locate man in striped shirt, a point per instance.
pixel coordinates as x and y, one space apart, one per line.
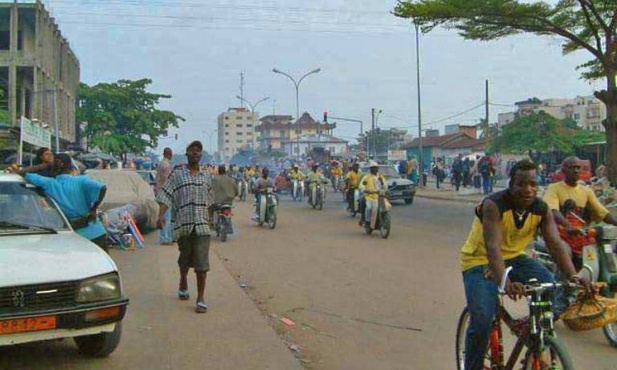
188 193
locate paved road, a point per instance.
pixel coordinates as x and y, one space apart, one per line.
361 302
357 301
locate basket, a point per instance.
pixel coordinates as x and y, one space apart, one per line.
590 312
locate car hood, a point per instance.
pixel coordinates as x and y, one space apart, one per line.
398 180
47 258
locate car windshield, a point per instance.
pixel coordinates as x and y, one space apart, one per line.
385 171
24 207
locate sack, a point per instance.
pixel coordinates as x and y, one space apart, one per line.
590 312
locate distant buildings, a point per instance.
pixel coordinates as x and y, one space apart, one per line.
39 73
236 131
588 112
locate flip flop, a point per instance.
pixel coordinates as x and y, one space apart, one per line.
183 295
201 307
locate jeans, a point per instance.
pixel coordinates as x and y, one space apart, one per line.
487 186
166 234
482 298
371 205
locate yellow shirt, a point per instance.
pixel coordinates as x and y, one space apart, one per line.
353 178
337 171
557 194
517 232
296 175
372 184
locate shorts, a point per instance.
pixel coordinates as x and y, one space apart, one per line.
194 252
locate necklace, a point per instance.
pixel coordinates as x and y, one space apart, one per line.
520 215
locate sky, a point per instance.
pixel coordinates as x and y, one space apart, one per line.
195 51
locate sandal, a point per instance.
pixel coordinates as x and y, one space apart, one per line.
183 295
201 307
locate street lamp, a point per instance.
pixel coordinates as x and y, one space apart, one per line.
420 159
297 86
253 107
210 142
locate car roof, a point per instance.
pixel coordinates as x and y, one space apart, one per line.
10 177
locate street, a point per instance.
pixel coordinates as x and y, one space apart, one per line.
354 301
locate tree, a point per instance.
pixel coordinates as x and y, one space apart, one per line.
123 117
543 133
583 24
376 139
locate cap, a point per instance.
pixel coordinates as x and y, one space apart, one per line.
196 143
373 164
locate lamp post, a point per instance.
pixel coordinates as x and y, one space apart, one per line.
420 156
253 107
297 86
210 142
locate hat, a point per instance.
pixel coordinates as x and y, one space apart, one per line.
372 164
196 143
295 165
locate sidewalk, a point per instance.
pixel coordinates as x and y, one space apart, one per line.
161 332
448 193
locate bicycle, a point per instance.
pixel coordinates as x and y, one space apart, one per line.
536 332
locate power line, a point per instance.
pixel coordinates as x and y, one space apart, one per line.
456 115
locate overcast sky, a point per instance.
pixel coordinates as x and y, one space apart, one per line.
195 51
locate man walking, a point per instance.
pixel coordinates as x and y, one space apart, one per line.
188 192
163 171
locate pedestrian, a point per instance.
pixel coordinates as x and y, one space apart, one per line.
486 172
77 196
188 192
163 171
457 171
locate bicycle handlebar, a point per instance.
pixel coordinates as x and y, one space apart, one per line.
534 286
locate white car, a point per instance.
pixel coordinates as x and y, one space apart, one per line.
53 282
399 187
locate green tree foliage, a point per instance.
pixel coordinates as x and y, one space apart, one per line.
123 117
588 25
377 138
544 133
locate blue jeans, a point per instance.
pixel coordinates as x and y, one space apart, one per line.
487 186
166 234
482 297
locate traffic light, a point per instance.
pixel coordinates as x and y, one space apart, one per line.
325 117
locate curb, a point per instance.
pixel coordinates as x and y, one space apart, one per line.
458 200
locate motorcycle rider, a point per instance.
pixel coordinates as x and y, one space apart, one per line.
224 190
314 177
370 185
295 175
588 208
504 224
336 172
352 180
259 186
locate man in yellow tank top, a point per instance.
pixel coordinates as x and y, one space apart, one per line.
504 224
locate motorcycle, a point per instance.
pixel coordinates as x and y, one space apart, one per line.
383 219
222 220
268 208
599 259
352 208
297 191
242 189
336 183
316 198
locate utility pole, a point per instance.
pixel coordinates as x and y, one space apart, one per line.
56 123
372 130
242 89
420 156
487 131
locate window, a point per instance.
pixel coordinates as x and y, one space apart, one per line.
227 133
238 141
227 141
282 134
249 125
226 118
239 118
227 125
239 125
239 133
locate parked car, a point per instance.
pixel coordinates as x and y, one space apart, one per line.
400 188
53 282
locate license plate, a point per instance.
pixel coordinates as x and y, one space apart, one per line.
29 324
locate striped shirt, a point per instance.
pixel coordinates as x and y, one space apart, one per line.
188 196
75 195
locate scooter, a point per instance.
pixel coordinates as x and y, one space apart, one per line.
242 189
382 220
352 208
316 199
222 221
268 208
297 191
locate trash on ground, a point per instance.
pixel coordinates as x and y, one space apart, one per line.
288 322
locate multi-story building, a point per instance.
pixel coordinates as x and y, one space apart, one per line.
39 73
236 131
278 132
588 112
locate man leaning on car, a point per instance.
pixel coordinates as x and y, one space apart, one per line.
77 196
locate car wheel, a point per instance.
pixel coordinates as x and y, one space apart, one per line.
99 345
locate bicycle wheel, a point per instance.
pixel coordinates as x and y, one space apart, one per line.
553 356
610 330
461 333
272 219
384 229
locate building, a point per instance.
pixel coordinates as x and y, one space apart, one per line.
236 131
463 141
39 73
277 132
588 112
334 145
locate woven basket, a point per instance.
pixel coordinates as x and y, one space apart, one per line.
590 312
